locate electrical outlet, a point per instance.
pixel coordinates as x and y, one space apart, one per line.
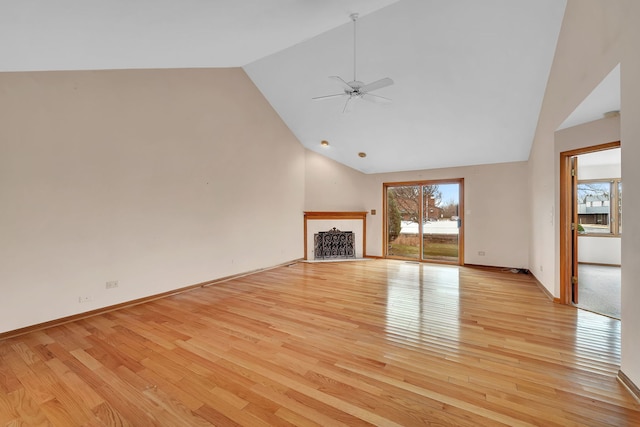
82 299
481 253
112 284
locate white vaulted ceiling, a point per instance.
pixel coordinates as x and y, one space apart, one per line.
469 80
469 75
120 34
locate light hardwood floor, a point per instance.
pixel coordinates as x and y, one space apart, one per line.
355 343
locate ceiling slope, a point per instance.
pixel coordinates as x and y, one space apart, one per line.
37 35
469 75
469 81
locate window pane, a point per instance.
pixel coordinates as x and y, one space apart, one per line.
403 221
440 225
594 210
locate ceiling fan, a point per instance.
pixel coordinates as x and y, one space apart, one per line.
356 89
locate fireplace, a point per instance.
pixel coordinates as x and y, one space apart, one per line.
316 222
334 244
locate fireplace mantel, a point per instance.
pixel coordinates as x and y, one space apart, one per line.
316 215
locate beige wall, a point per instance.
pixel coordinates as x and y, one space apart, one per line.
158 179
590 249
630 134
496 204
596 35
332 186
585 54
560 100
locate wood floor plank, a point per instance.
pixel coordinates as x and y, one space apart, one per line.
359 343
7 411
106 415
27 409
85 394
294 406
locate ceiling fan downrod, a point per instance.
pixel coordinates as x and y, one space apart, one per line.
354 18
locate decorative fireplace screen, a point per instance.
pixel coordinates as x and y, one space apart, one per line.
334 244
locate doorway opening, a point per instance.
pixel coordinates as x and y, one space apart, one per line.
591 228
424 221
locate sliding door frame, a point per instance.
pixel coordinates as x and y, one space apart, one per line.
385 237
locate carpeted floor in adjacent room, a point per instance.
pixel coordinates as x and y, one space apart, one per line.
599 289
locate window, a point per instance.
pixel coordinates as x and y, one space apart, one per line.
600 207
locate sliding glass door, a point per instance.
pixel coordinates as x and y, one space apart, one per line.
424 220
403 221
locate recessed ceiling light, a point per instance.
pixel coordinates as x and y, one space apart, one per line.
324 143
362 154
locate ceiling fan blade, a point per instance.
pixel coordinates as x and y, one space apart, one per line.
317 98
342 82
378 84
348 105
375 98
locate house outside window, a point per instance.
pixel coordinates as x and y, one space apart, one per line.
600 206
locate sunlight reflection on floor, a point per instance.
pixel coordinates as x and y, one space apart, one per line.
427 304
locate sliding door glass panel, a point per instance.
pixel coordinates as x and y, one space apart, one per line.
440 222
403 221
